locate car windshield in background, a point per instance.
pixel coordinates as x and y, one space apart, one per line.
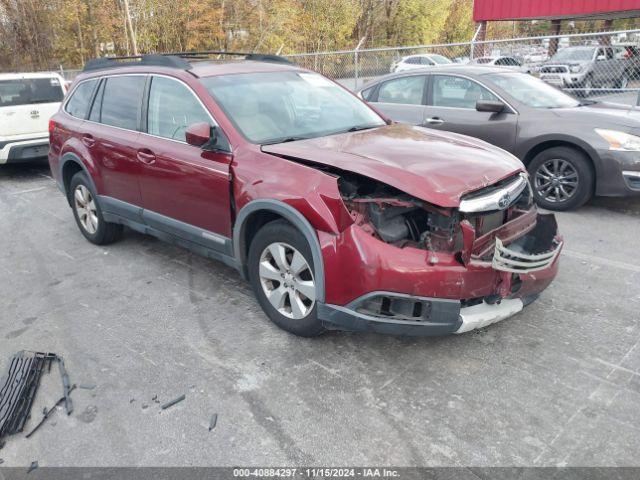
532 91
275 107
577 54
27 91
439 59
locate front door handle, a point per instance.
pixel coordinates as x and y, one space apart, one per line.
434 121
88 140
146 156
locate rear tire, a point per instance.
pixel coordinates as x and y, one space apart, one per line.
562 178
281 271
88 214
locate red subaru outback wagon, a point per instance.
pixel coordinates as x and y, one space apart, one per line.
339 219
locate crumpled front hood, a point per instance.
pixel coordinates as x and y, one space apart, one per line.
437 167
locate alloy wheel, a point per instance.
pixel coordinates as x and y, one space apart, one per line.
287 280
556 180
85 207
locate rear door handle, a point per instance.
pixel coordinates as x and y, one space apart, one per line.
434 121
146 156
88 140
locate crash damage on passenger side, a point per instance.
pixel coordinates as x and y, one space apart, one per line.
496 231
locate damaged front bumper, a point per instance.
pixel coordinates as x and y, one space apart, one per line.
522 266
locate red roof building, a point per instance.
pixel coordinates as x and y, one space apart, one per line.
496 10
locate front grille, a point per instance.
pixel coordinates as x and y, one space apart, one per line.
554 69
499 196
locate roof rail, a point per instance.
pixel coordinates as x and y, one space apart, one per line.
133 61
174 59
256 57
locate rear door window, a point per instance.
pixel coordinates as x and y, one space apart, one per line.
121 101
78 104
29 91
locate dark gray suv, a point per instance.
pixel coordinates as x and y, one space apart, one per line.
573 149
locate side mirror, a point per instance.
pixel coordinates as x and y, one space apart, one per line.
490 106
206 137
199 134
600 58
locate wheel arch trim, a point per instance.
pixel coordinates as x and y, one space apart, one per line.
528 152
73 158
293 216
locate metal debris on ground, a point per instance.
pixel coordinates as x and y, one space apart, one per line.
20 386
32 467
173 402
213 421
47 413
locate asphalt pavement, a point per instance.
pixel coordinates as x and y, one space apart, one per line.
140 323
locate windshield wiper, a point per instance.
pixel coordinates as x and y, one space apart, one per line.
357 128
285 140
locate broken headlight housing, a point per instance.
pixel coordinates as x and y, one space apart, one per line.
398 218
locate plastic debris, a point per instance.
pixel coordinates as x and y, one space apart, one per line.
173 402
213 421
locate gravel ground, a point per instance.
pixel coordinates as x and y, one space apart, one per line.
558 384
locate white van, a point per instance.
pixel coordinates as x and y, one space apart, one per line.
27 102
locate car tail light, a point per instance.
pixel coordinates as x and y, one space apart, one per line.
52 126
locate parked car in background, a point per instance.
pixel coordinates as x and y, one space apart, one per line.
632 55
582 69
412 62
338 219
572 149
27 101
510 62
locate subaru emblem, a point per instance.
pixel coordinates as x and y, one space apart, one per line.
504 201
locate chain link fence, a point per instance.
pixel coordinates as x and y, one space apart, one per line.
600 65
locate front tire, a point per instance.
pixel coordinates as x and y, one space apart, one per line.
587 87
282 276
88 214
623 82
561 178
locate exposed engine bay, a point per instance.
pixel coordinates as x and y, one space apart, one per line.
401 220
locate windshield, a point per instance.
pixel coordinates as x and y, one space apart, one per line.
574 54
26 91
278 106
439 59
532 91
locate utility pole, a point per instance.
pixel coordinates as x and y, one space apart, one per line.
132 35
